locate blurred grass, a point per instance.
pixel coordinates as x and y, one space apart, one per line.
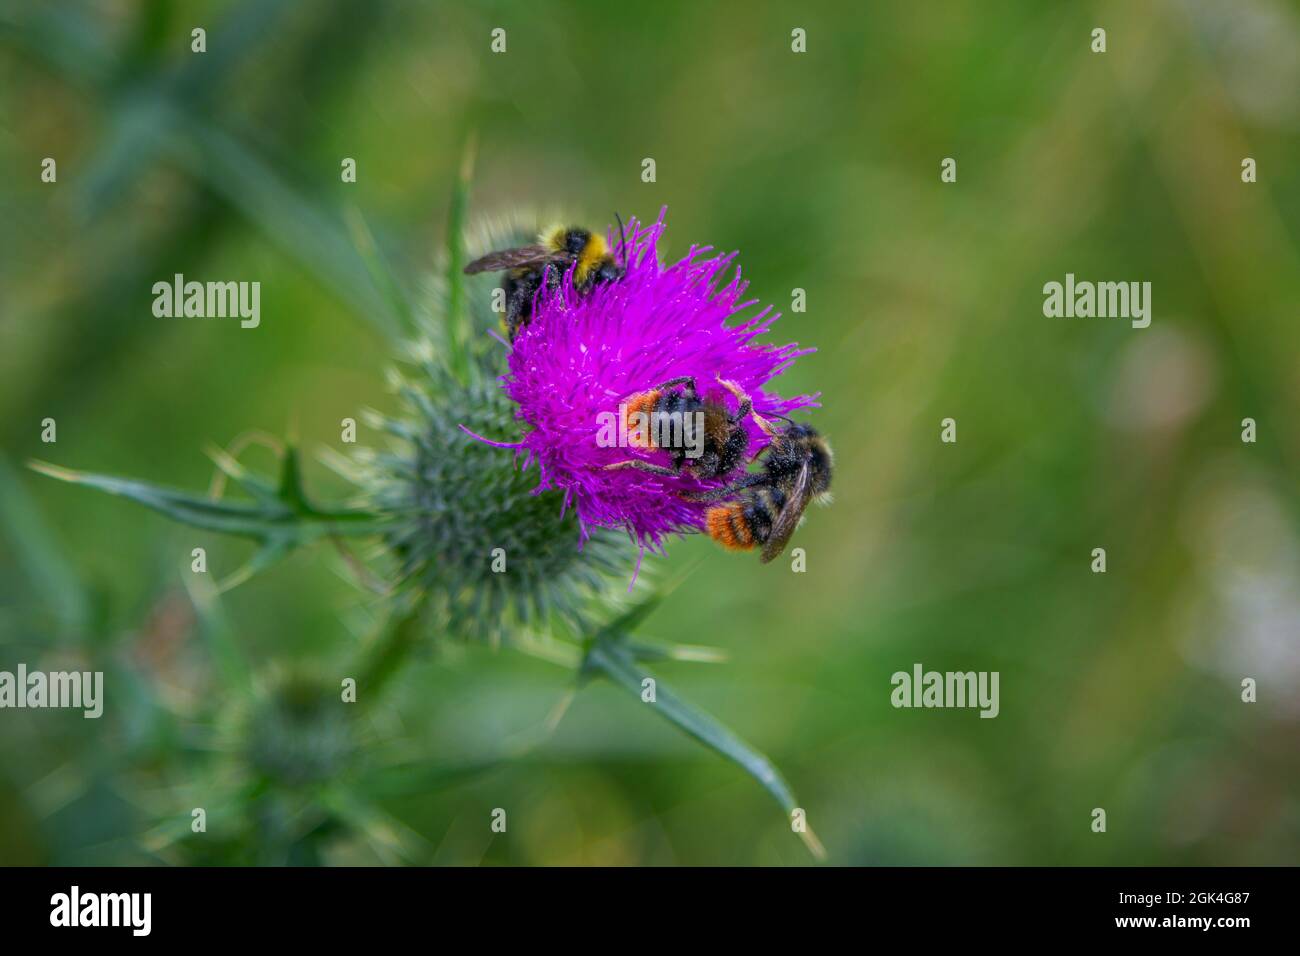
1119 690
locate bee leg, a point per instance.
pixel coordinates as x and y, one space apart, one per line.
520 291
640 465
686 380
764 424
515 316
746 406
728 491
733 388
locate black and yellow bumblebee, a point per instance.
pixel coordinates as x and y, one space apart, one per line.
527 268
766 506
674 407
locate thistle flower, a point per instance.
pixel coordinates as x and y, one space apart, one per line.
294 733
439 506
584 353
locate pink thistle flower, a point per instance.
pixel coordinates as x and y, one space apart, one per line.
583 353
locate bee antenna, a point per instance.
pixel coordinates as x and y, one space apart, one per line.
622 237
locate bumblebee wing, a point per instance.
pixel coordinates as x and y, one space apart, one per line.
510 259
789 517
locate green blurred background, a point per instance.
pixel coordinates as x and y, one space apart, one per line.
1118 690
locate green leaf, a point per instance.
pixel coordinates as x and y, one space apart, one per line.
632 618
458 325
215 631
51 574
688 653
280 522
636 614
614 660
258 520
291 490
297 224
392 841
381 274
161 97
73 44
416 777
272 550
254 484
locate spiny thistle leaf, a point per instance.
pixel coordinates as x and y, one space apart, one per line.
289 513
609 657
633 616
279 522
686 653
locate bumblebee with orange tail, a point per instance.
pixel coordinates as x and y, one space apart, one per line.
527 268
766 506
673 417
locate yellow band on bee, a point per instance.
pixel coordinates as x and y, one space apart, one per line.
595 251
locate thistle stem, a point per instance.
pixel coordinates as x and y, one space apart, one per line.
385 655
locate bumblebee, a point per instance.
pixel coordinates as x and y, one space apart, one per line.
768 504
527 268
669 417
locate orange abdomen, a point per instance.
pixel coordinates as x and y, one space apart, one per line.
643 403
726 525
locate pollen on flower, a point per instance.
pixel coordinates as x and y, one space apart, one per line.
586 351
